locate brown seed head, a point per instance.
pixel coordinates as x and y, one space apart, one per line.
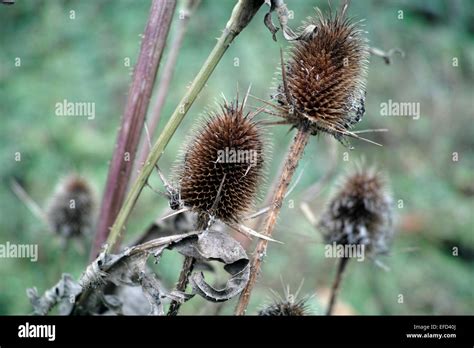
360 212
325 76
288 306
70 210
223 165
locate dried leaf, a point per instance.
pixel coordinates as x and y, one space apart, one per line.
217 246
151 288
126 268
233 287
113 303
282 13
63 293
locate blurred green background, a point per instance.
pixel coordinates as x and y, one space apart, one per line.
82 59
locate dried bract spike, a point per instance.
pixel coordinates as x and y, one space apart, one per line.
325 76
70 211
360 212
223 165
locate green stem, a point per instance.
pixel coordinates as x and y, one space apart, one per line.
242 13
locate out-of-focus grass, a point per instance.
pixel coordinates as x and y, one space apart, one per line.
83 60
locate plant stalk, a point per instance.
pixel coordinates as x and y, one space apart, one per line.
291 162
337 284
188 267
128 137
165 80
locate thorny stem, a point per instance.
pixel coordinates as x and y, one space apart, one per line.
292 158
165 80
241 15
337 284
128 137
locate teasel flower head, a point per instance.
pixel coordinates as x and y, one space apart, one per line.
323 87
223 165
290 305
361 212
71 208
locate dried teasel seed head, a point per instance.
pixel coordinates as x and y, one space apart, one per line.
288 306
70 210
223 165
361 212
284 308
325 76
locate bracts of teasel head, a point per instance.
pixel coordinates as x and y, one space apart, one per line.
223 165
70 210
323 80
360 212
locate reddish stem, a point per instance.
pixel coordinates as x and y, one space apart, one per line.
151 50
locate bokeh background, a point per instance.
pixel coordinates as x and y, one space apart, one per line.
83 60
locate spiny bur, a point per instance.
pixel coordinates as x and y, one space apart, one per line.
289 306
223 165
361 212
70 210
323 85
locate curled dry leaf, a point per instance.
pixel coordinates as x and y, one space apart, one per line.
282 13
219 246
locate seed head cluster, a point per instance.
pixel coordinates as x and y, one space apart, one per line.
70 210
325 76
223 165
360 212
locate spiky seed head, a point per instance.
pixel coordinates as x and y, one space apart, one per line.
70 210
361 212
286 307
325 76
223 165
